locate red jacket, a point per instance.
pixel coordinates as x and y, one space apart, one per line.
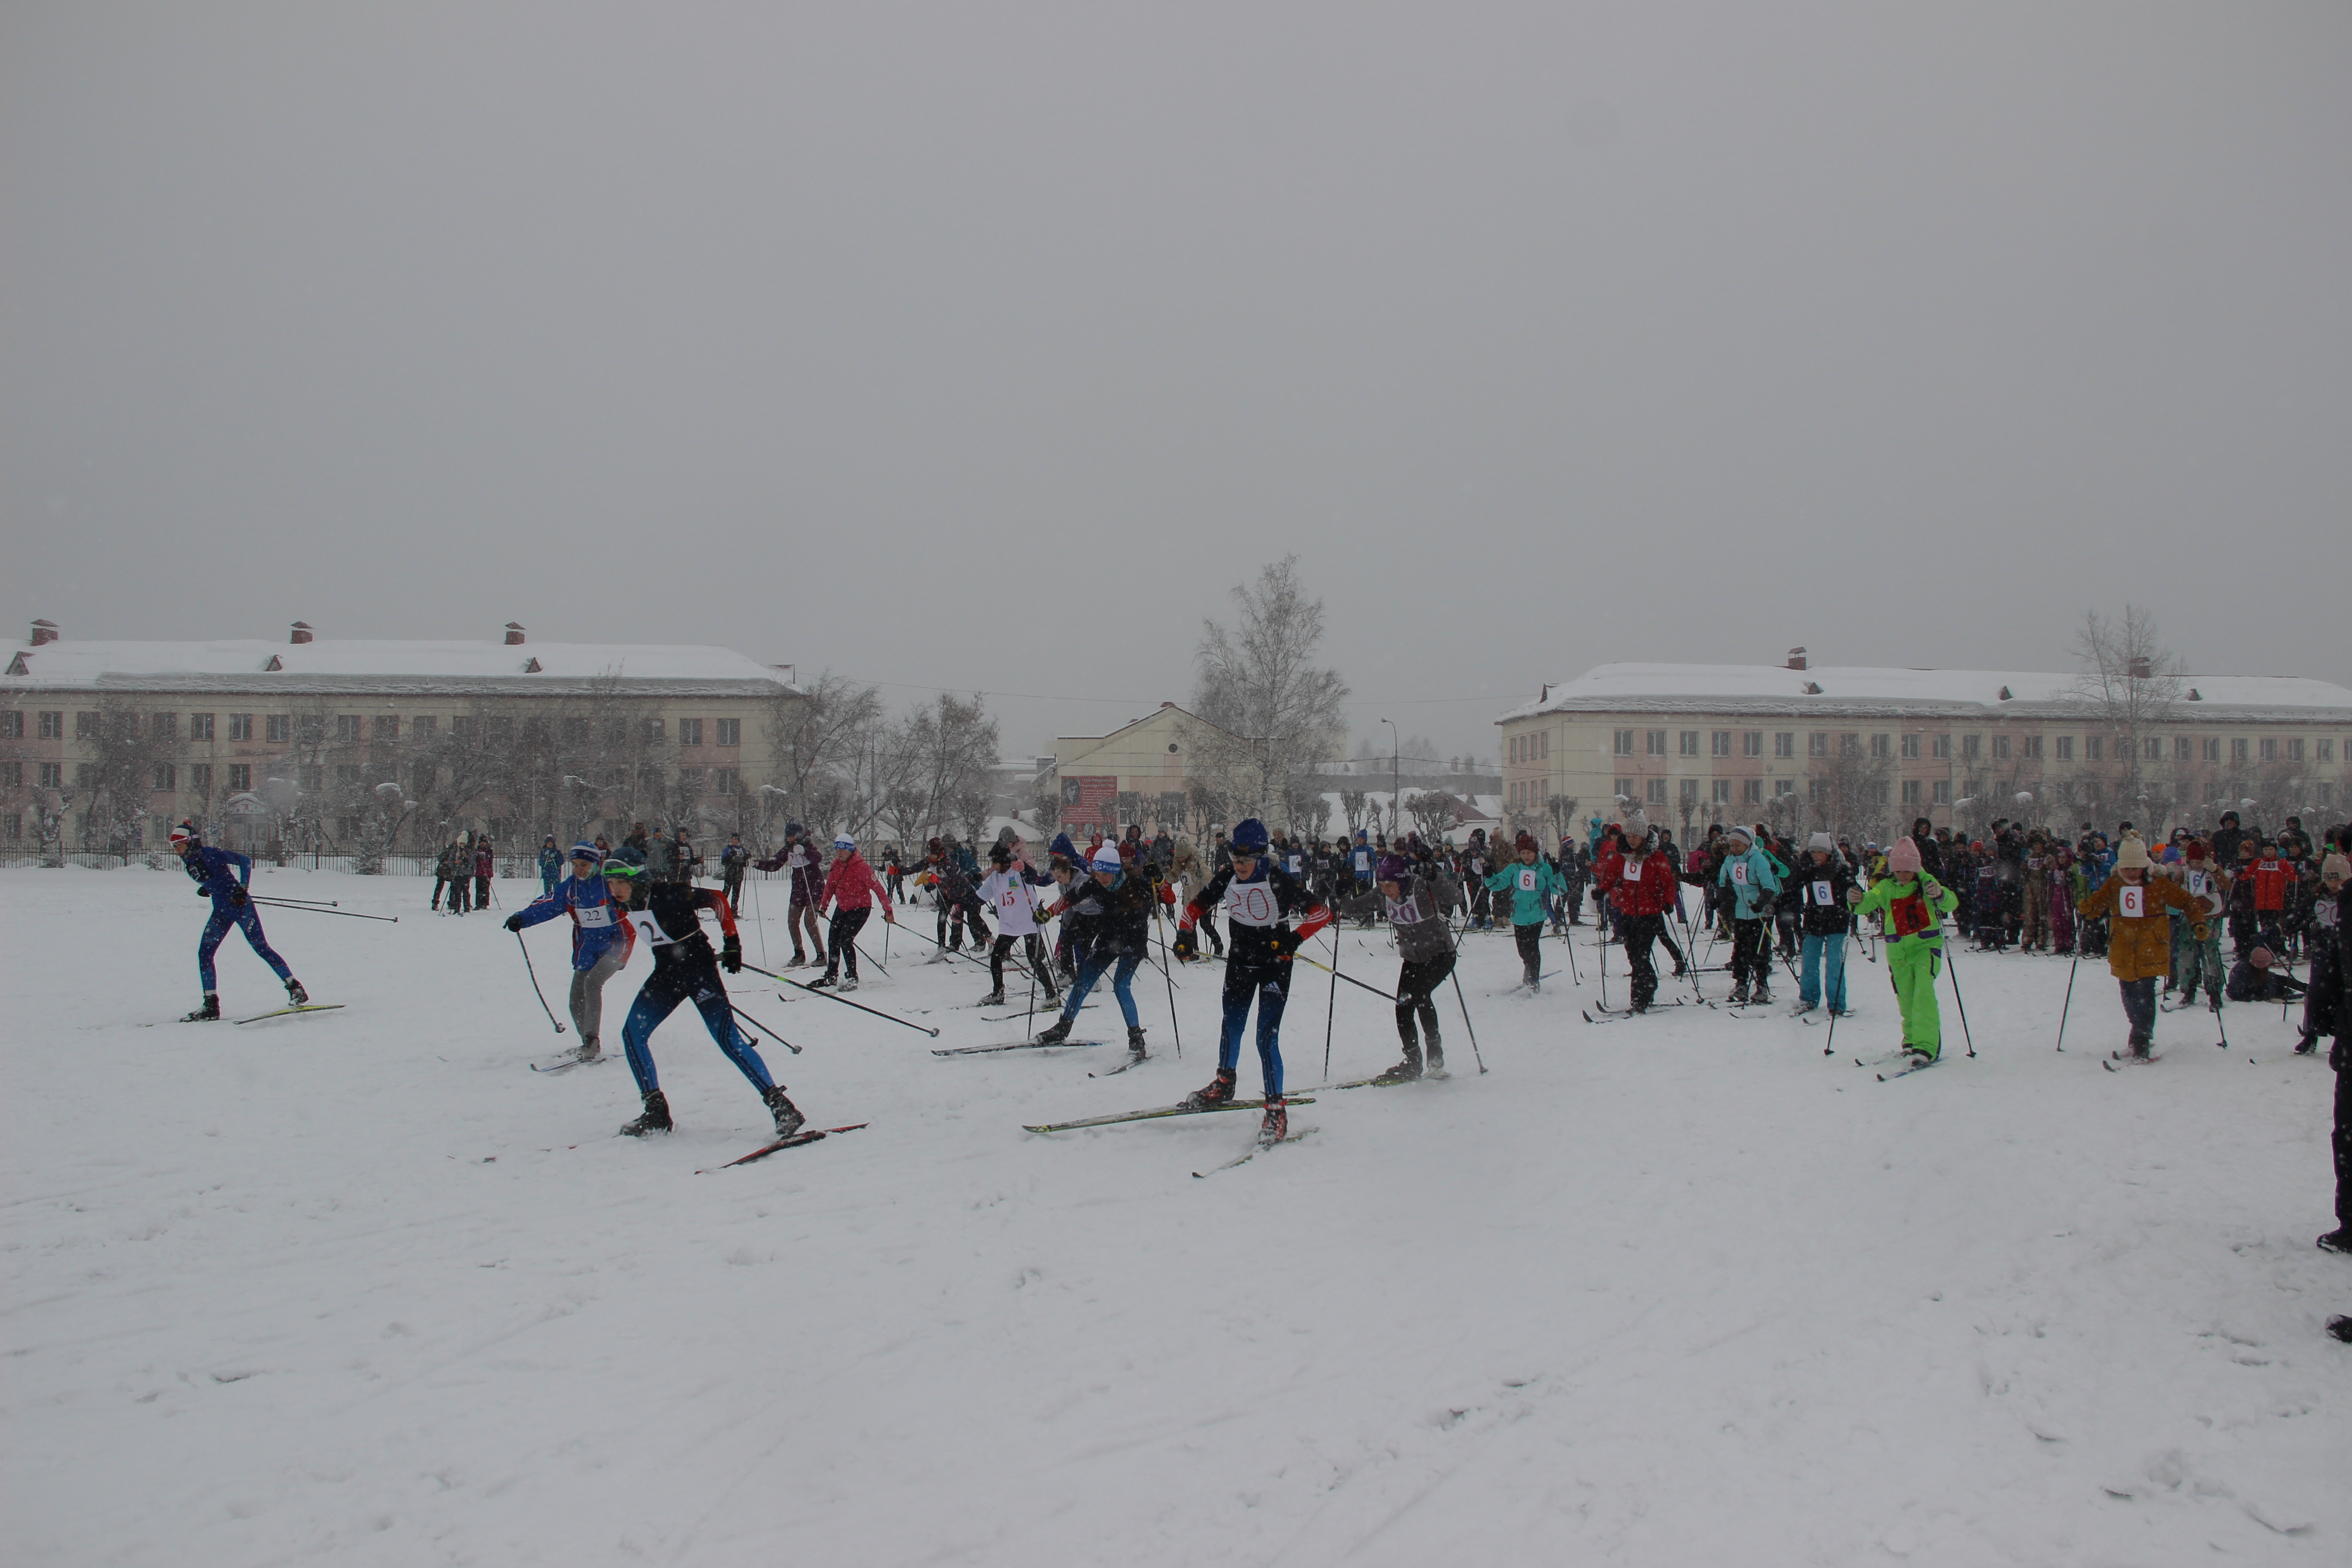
1648 887
851 884
2270 884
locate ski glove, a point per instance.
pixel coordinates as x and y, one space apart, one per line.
2200 931
514 922
731 955
1185 948
238 898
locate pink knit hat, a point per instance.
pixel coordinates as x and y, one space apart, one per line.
1904 859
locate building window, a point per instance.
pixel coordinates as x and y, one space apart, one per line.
1911 746
2152 748
2270 749
83 775
654 732
240 777
2183 748
346 827
1940 748
1971 748
2327 795
1817 744
730 733
1942 793
163 726
1910 792
1624 744
725 780
200 778
2093 748
2213 747
240 726
1658 786
1624 787
464 727
426 773
1784 743
2001 747
11 774
500 729
281 727
387 727
1543 739
314 779
13 824
690 731
1687 743
2294 750
2066 748
53 726
2238 750
1751 742
689 779
347 728
53 775
1881 746
422 727
2033 747
2327 751
312 728
1849 744
1721 742
1754 791
85 726
1821 794
1689 792
200 726
1723 792
11 726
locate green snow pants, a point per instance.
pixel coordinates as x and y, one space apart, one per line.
1913 966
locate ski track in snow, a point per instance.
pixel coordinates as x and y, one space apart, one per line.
358 1285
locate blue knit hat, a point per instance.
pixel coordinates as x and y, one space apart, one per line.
1249 836
586 852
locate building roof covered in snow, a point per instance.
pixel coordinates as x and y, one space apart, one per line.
1857 691
327 666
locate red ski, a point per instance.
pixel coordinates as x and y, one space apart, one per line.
795 1142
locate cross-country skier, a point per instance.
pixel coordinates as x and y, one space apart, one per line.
800 857
1419 904
1640 885
1823 883
667 915
601 943
1750 879
1526 883
1112 904
1258 897
851 887
733 861
224 876
2139 936
1912 906
1009 889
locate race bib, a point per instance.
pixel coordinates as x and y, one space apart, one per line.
1406 913
1251 904
1526 878
593 915
2131 902
1008 899
1363 860
1823 893
1739 873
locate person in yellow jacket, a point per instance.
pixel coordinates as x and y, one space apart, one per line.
2139 940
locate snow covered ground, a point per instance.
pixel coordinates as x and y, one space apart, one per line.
359 1288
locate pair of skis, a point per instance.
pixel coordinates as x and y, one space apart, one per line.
288 1012
796 1140
1013 1046
1618 1015
1893 1065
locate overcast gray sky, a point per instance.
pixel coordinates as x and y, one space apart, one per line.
845 334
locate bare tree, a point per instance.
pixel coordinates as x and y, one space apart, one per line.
2132 682
1276 715
952 743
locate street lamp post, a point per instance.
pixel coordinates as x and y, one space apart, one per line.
1396 772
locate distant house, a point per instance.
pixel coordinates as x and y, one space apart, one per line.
1142 773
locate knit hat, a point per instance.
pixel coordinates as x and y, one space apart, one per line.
1637 826
1392 869
2194 850
794 830
2261 958
1821 841
182 835
1106 858
1524 841
586 852
844 841
1065 849
1249 836
1904 859
932 845
998 854
2131 854
1735 831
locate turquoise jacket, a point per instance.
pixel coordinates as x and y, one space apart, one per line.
1753 879
1529 886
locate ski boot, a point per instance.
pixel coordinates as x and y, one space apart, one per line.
1219 1091
2340 1327
1534 982
295 995
1277 1125
1054 1032
1740 995
655 1120
2307 1044
1135 1043
1762 993
994 999
590 1051
1436 1056
800 959
1406 1071
825 982
848 983
788 1116
2337 1240
208 1014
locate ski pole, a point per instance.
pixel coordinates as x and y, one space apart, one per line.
2062 1006
1167 974
869 957
746 1017
315 909
1331 1005
1348 978
846 1002
282 899
1963 1006
1455 976
2224 1041
533 973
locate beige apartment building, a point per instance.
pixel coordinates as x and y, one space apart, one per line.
1145 772
1866 751
353 746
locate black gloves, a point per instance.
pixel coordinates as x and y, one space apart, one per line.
238 898
731 955
514 922
1184 947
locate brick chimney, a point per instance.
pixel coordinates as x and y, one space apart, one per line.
514 634
1795 658
44 632
301 632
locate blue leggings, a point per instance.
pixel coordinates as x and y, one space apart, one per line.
1270 987
246 919
709 999
1122 985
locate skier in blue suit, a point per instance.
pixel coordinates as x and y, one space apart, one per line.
222 876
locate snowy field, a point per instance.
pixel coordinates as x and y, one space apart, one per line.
358 1288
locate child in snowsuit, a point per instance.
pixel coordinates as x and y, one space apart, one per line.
2139 937
1913 906
1823 884
1749 879
1525 886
